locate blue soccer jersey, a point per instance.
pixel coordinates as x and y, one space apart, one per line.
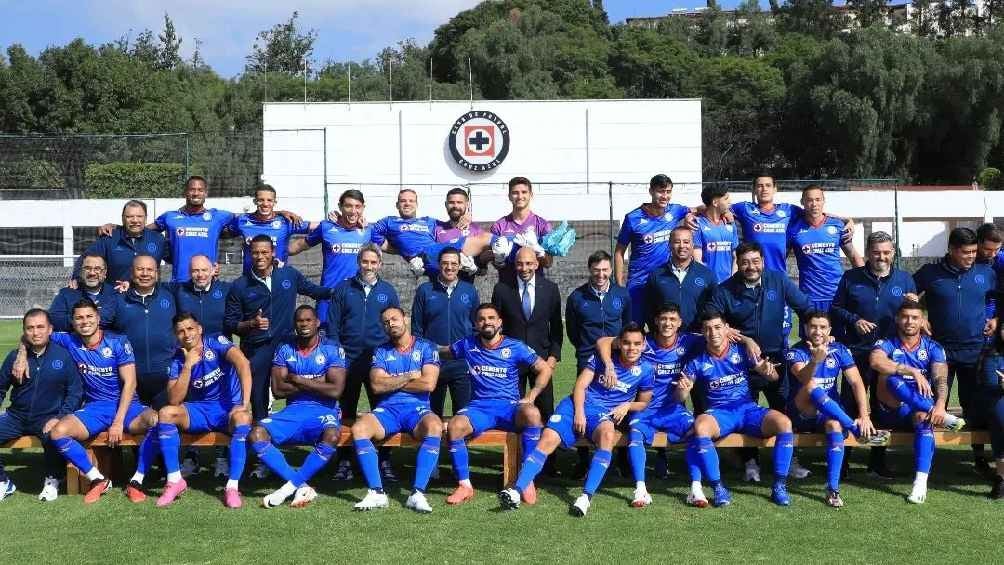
340 250
724 380
817 252
310 364
717 242
668 363
395 361
99 365
631 379
925 353
410 236
769 229
192 234
494 371
648 237
280 229
838 359
213 378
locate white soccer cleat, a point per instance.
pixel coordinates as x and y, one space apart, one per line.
260 471
918 495
418 503
221 469
697 499
372 501
274 499
641 498
417 266
509 499
752 472
50 490
7 488
797 470
304 496
501 250
467 264
581 505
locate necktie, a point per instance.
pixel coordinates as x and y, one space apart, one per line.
526 301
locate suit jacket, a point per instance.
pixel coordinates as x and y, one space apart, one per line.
544 331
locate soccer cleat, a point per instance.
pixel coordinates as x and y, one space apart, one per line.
371 501
641 498
997 491
918 494
417 266
460 495
260 471
7 488
509 499
581 505
752 472
418 503
779 494
880 438
274 499
798 471
529 494
171 492
190 466
221 469
97 488
134 492
697 501
955 425
982 468
304 496
833 499
722 496
387 472
50 490
343 472
467 264
232 498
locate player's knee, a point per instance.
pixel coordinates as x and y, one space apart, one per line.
704 427
259 434
361 430
605 436
433 427
241 418
59 431
331 436
459 428
531 415
168 415
833 426
549 441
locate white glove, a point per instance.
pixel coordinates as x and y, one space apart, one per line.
417 266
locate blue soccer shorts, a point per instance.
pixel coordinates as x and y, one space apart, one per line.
745 418
208 416
301 423
489 414
400 417
98 415
563 420
673 419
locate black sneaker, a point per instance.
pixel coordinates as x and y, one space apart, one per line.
982 467
881 471
997 491
387 472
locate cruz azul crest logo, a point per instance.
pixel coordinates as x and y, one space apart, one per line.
479 140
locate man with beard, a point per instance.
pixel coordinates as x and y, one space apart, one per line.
90 284
459 224
266 220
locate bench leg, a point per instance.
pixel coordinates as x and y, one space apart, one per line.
73 479
511 458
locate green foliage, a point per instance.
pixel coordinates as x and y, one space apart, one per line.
990 179
126 180
30 173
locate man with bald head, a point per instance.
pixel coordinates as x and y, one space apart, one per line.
204 295
143 313
530 306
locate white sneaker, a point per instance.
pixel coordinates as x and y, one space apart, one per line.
641 498
276 498
50 490
221 469
7 488
581 505
372 500
417 266
509 499
798 471
467 264
189 467
752 472
260 471
304 496
918 495
418 503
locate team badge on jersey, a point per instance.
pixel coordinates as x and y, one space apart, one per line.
831 362
635 371
57 364
617 304
771 295
209 355
506 353
207 216
217 294
106 352
276 224
382 298
287 284
700 282
897 291
165 303
151 247
922 355
832 230
781 214
735 358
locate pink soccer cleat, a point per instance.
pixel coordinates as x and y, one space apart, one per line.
171 492
232 498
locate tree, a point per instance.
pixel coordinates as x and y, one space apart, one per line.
869 12
169 56
283 48
817 18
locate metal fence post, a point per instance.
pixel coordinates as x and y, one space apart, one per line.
188 155
610 222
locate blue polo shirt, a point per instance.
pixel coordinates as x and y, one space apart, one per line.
955 301
862 295
120 249
588 317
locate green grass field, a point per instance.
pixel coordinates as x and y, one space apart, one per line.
957 524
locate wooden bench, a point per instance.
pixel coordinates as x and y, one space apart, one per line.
109 461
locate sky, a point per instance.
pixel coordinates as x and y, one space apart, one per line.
347 29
